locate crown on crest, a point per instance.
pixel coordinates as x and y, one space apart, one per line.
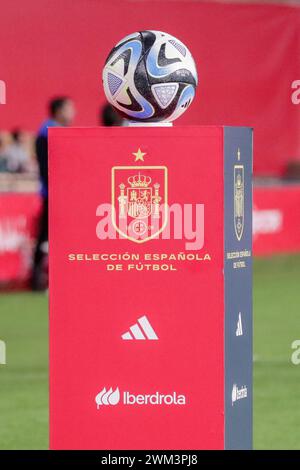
139 181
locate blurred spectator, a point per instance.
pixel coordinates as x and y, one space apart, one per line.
18 158
61 114
109 116
17 153
292 171
3 155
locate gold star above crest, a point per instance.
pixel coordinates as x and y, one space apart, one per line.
139 155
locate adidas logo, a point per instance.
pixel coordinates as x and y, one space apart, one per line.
239 327
140 330
110 397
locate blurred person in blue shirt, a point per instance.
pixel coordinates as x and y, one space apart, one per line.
61 114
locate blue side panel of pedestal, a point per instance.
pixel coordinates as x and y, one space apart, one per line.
238 286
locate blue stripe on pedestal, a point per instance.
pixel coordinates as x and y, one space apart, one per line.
238 286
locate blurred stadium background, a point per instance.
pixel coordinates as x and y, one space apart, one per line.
248 58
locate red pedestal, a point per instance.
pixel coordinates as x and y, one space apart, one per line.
140 343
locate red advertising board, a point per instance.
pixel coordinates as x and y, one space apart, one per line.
276 221
276 229
18 224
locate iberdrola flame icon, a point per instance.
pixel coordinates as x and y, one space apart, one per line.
98 398
234 393
114 398
108 397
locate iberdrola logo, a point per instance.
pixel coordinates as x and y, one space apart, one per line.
110 397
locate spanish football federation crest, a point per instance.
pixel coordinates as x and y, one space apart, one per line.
139 201
239 200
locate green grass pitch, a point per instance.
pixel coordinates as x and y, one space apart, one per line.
24 379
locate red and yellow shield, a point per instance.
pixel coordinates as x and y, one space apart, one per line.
139 201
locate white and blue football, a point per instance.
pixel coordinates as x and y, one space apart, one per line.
150 76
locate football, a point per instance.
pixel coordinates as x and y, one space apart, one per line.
150 76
